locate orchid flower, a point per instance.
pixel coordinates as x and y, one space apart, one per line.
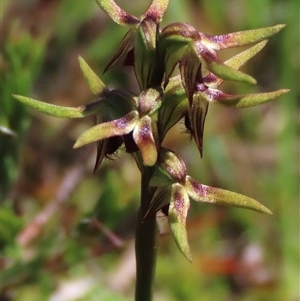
174 188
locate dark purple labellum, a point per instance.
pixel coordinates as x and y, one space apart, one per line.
165 210
129 60
187 123
130 145
113 144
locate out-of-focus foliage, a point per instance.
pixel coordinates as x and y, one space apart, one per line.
66 234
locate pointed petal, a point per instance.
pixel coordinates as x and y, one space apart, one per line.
156 10
143 137
207 194
178 210
117 127
190 67
197 115
235 62
60 111
125 47
242 38
241 101
96 85
117 14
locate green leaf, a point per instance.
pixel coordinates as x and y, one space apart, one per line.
218 196
117 14
60 111
105 130
96 85
177 214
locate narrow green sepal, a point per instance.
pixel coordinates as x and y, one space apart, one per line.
225 72
117 14
95 84
241 38
105 130
59 111
177 214
243 101
218 196
235 62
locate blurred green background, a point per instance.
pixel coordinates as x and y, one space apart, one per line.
67 234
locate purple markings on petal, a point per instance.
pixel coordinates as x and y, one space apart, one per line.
246 37
116 13
177 214
143 137
180 32
195 190
173 164
207 194
105 130
157 9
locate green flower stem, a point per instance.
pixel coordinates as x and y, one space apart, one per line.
145 245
